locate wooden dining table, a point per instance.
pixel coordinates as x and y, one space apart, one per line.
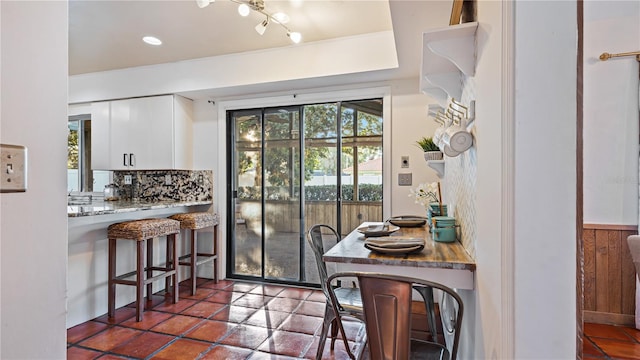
446 263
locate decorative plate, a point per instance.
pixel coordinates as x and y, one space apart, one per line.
377 230
408 220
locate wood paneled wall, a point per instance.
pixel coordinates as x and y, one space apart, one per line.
609 274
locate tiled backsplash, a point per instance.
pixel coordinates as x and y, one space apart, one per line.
151 185
460 183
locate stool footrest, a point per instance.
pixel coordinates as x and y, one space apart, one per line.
204 258
121 278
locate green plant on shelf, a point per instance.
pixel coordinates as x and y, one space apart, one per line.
427 144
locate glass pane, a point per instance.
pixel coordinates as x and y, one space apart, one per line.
320 121
73 157
321 178
282 206
248 183
370 173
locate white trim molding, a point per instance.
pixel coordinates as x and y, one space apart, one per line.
507 350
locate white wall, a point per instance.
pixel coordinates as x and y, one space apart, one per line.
33 235
545 179
611 113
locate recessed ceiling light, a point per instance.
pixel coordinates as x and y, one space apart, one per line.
152 40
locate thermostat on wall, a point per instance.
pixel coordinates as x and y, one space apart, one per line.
14 168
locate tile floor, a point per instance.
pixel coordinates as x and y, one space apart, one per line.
229 320
238 320
610 342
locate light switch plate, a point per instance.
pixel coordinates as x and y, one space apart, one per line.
14 168
127 179
404 179
404 161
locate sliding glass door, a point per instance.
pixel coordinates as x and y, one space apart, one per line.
291 168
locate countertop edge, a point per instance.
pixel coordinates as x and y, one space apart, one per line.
121 207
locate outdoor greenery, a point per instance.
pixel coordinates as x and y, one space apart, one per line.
282 143
72 150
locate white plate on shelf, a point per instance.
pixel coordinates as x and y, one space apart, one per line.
377 230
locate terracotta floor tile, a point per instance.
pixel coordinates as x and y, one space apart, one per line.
267 319
253 300
210 330
112 357
618 349
267 290
176 308
354 329
203 309
632 332
227 353
220 285
241 287
85 330
247 336
236 314
295 293
143 345
182 349
177 325
283 304
317 296
225 297
76 353
311 308
287 343
338 353
156 299
301 324
259 355
201 293
588 348
110 338
605 331
149 320
121 315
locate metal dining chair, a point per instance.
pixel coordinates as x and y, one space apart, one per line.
387 312
347 299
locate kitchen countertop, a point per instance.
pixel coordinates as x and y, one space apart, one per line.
99 207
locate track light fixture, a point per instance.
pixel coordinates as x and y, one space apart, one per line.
246 6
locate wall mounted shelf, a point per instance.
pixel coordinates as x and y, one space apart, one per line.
438 166
447 54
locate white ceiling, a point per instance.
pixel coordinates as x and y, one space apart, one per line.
106 35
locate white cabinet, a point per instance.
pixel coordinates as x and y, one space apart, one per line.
151 133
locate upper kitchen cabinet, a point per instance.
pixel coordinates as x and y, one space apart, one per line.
151 133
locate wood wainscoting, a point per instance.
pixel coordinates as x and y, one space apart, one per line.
609 274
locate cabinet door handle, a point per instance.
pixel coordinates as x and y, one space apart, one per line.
132 159
124 159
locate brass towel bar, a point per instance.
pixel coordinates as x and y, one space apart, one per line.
606 56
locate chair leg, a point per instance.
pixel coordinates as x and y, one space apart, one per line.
174 238
149 267
193 261
427 296
112 274
169 263
334 332
215 252
326 324
140 279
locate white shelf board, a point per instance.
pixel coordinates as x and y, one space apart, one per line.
447 54
438 166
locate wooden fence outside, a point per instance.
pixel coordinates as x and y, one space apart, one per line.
284 216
